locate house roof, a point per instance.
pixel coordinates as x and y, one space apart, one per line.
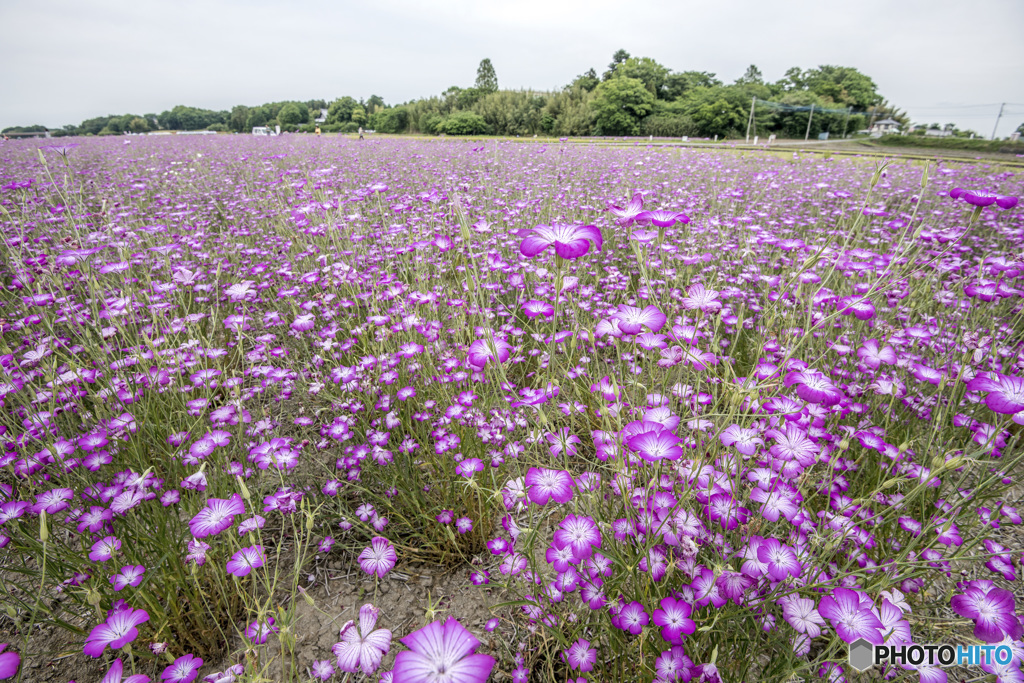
887 122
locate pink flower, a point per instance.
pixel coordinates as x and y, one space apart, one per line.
661 218
992 611
544 485
217 516
632 320
1005 393
245 560
184 670
442 653
130 575
656 444
977 198
631 211
581 656
104 549
483 350
115 674
9 663
118 630
674 619
851 618
379 558
362 647
570 241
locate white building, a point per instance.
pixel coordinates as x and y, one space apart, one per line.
885 127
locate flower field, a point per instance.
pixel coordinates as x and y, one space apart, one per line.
672 414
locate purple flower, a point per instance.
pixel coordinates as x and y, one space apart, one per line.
483 350
629 213
857 306
104 549
661 218
781 559
217 516
322 669
9 663
802 615
977 198
656 444
851 617
533 308
674 619
570 241
1005 393
259 631
744 440
632 320
245 560
992 611
118 630
130 575
379 558
544 485
814 387
580 534
632 618
115 674
362 647
581 656
700 298
442 653
184 670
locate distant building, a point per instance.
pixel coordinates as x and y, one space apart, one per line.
885 127
322 118
936 133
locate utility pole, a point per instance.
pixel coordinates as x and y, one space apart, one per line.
997 120
750 119
809 119
846 121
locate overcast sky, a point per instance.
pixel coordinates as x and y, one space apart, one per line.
68 60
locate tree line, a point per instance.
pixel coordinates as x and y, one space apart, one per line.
632 96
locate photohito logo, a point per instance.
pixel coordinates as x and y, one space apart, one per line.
864 655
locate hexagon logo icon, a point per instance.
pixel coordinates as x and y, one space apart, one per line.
862 655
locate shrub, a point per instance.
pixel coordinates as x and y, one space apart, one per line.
464 123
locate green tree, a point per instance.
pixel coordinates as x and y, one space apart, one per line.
138 125
842 85
239 115
619 104
486 78
375 103
678 84
588 81
1020 129
359 115
619 57
718 111
751 76
257 118
512 112
394 120
341 110
467 97
644 69
292 115
568 112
